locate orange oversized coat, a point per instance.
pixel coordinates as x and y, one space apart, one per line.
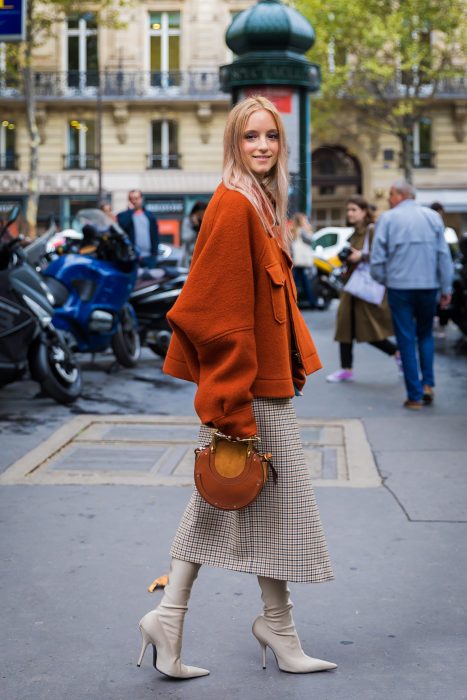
235 319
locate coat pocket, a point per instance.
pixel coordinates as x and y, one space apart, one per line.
277 287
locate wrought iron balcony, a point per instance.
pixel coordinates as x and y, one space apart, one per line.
9 161
81 161
157 160
88 85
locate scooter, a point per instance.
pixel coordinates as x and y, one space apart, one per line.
28 336
91 275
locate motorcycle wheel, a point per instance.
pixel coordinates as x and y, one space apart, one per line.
55 368
126 342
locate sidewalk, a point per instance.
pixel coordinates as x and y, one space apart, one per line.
77 560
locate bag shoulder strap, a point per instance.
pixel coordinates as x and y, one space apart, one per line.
369 235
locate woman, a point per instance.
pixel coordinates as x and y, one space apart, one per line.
239 335
357 319
302 255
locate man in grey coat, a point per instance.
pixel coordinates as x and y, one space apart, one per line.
411 258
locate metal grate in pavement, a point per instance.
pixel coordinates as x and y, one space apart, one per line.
158 451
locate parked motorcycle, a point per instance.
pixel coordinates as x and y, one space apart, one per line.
155 291
326 282
91 272
154 295
28 336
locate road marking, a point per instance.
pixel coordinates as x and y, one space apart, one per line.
158 451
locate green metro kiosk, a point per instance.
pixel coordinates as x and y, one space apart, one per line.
269 40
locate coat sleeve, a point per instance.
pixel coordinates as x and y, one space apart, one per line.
215 313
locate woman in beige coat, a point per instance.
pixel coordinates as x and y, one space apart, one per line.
357 319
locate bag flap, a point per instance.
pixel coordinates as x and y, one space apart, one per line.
230 458
276 274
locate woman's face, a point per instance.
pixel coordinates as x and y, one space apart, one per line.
355 215
260 143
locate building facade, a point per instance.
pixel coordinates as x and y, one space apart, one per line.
141 107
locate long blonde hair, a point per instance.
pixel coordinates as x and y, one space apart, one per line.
270 197
299 223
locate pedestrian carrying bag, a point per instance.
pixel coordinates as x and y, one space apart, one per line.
230 474
361 284
302 252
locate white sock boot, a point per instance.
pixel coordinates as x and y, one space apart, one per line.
163 627
276 629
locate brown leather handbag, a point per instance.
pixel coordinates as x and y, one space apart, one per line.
230 474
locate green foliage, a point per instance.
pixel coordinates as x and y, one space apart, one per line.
390 58
45 15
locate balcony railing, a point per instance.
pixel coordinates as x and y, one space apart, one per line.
127 84
81 161
191 85
9 161
172 160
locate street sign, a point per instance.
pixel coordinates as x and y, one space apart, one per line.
12 20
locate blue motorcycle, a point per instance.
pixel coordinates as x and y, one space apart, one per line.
91 276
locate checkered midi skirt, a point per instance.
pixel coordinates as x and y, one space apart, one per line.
280 534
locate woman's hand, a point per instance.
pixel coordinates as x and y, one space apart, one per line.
355 256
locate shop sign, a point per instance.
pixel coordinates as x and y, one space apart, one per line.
165 206
12 20
55 183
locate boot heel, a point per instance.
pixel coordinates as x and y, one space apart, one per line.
263 653
146 643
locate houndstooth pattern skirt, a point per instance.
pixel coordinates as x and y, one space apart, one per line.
280 534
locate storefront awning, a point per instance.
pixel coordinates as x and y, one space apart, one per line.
163 182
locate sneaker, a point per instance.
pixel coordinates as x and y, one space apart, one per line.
413 405
398 360
342 375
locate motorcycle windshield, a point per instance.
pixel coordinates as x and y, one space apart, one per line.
96 218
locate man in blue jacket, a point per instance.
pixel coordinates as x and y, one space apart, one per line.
411 258
141 227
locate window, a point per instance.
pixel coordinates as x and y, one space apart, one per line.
82 56
164 47
81 145
422 153
164 141
8 156
327 239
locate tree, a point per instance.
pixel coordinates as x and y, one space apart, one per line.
43 19
388 60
